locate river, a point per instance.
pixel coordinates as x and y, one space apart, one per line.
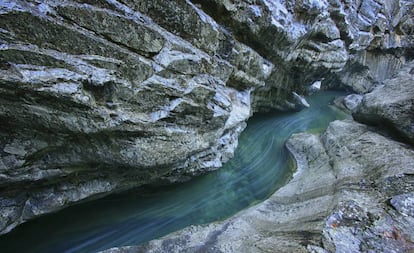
260 166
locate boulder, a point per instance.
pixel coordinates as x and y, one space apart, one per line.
337 201
101 96
351 102
391 105
97 98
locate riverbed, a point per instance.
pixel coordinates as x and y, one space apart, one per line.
260 166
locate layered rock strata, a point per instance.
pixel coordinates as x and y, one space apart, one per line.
101 96
390 106
352 192
347 44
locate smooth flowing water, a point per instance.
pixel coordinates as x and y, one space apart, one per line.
259 167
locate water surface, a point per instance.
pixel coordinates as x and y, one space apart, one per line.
260 166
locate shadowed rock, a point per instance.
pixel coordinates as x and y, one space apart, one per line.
338 200
101 96
391 106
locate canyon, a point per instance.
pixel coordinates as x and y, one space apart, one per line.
98 97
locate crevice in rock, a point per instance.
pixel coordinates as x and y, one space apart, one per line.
383 126
239 30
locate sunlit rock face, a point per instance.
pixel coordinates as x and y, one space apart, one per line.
101 96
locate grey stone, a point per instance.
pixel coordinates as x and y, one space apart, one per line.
335 201
316 249
314 87
352 102
300 101
404 203
390 106
103 99
101 96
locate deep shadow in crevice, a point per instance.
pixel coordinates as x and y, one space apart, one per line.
384 127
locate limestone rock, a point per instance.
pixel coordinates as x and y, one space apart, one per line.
354 44
352 102
391 105
314 87
404 204
367 69
337 201
300 101
97 98
101 96
372 32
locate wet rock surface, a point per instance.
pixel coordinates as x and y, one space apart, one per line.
97 98
101 96
352 193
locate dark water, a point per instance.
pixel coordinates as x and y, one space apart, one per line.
260 166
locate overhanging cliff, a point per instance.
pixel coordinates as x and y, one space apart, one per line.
101 96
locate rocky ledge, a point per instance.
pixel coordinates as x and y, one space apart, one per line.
97 98
390 106
353 192
101 96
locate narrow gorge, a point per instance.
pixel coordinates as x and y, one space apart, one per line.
104 97
260 166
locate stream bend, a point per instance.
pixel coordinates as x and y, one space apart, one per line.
259 168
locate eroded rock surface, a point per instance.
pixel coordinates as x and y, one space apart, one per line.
101 96
352 193
96 98
353 44
391 106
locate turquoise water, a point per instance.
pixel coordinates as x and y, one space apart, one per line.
260 166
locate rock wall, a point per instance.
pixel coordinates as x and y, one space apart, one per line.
347 44
352 192
390 107
101 96
96 97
